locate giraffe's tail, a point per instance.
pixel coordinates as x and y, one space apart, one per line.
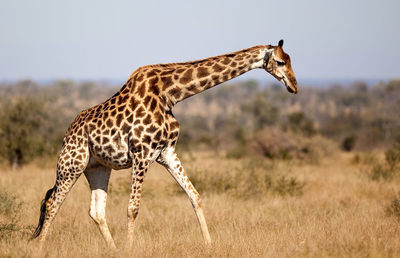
42 217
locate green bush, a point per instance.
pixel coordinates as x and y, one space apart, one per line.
262 113
21 138
299 122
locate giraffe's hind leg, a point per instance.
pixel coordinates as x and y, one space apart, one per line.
53 201
71 164
98 176
139 170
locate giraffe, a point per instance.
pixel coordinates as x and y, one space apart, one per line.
136 127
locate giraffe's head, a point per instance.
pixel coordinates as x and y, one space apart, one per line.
277 63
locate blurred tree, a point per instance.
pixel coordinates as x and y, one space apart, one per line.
261 111
20 123
299 122
251 85
359 86
87 90
393 85
342 125
23 88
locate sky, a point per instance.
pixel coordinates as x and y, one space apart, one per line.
100 40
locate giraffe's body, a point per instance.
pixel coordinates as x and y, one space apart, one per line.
136 127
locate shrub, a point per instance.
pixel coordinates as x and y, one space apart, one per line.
252 179
261 112
380 171
204 181
288 186
239 151
299 122
388 169
274 143
392 156
20 136
393 209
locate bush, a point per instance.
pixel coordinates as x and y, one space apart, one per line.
252 179
299 122
239 151
20 137
288 186
274 143
380 171
393 209
390 168
261 112
392 156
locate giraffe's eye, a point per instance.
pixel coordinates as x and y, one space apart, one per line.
280 63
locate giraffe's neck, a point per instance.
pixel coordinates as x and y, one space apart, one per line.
179 81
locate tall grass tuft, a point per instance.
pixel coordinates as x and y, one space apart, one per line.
9 205
10 214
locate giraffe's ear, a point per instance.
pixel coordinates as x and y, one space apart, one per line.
280 43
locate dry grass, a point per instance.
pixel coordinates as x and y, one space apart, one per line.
341 212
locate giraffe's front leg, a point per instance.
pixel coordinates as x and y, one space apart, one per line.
171 162
138 173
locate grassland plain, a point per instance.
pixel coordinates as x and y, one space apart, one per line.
254 208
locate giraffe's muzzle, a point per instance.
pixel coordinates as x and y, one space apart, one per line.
291 85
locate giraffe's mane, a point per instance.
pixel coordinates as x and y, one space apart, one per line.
172 65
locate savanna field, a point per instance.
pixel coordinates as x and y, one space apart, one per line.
312 175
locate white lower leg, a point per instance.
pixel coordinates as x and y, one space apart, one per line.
133 210
98 214
203 225
132 214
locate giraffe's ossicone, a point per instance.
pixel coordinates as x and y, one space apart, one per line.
136 127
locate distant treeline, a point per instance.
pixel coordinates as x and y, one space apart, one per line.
238 118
